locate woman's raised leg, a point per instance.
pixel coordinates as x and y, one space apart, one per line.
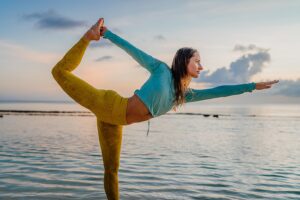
79 90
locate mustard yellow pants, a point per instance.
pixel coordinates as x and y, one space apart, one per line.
108 106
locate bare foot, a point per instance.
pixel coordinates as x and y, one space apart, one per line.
94 32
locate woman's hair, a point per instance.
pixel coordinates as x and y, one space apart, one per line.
179 71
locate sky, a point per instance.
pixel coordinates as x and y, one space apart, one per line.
239 41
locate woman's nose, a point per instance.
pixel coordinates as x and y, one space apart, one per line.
200 67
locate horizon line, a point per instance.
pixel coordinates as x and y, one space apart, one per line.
36 101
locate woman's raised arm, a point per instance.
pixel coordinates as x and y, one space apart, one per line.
145 60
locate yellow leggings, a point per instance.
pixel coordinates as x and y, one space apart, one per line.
107 105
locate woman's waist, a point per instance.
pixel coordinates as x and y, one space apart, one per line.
136 110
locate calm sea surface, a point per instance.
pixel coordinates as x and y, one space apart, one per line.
248 152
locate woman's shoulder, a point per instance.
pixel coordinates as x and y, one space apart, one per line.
162 67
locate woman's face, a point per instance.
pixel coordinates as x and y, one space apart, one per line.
194 67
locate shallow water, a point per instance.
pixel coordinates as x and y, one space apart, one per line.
253 152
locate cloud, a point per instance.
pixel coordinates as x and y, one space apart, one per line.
159 37
103 58
240 70
52 20
251 47
287 88
245 67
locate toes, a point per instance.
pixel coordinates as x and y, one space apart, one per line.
100 23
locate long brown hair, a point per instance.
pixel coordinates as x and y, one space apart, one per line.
179 71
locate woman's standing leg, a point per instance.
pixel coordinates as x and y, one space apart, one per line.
110 138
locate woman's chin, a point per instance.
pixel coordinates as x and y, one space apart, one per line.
196 76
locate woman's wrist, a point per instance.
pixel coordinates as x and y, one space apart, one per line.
254 85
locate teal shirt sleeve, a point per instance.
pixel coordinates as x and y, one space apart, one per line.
145 60
193 95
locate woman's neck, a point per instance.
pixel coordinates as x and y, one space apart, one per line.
185 82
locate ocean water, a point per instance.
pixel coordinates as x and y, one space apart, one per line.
248 152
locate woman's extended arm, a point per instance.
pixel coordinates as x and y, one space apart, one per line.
226 90
220 91
145 60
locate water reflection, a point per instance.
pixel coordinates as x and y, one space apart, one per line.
184 157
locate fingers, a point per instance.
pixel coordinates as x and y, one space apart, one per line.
276 81
272 82
265 85
269 83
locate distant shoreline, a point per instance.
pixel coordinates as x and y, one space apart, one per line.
45 113
81 113
90 114
33 101
203 103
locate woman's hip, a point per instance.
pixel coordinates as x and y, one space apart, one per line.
110 107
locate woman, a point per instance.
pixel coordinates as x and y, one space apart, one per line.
165 89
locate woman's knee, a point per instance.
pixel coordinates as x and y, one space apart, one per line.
56 72
112 170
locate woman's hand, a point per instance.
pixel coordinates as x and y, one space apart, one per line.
94 32
103 30
265 85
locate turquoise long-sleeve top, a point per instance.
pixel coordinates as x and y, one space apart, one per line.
158 92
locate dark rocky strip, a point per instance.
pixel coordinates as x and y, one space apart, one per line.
204 115
80 113
90 114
